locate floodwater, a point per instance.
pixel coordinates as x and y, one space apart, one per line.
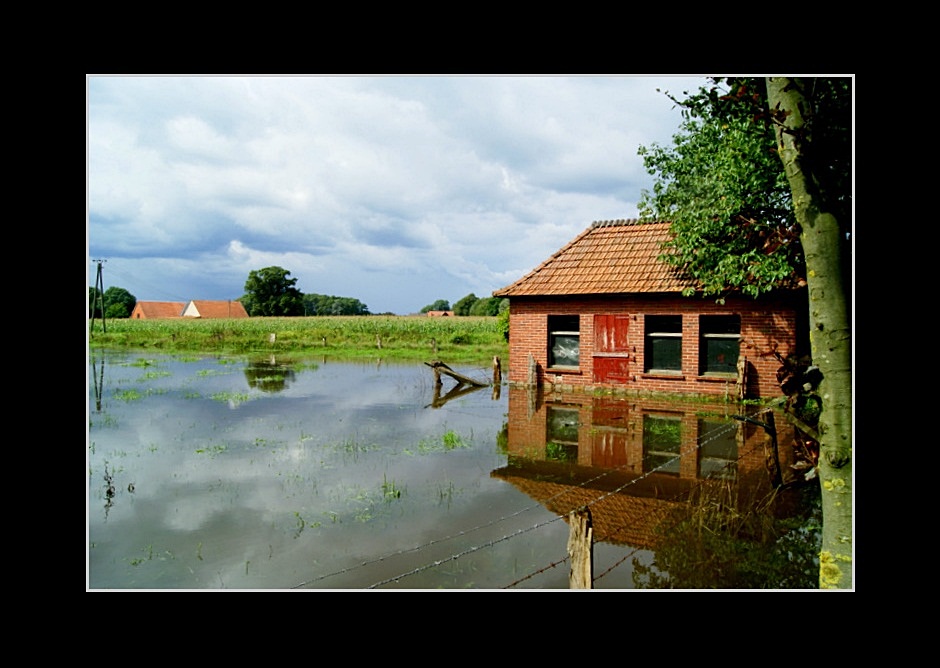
210 472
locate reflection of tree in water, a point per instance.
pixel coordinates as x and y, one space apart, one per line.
269 375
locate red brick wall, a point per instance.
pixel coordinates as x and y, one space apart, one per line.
610 431
767 325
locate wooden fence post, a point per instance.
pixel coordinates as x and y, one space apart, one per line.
581 549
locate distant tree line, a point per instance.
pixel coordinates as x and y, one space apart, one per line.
325 305
272 292
477 306
473 305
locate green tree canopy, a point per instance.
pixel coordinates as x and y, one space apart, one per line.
270 292
118 302
463 306
315 304
439 305
723 188
758 188
487 306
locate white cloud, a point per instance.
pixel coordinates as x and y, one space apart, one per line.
396 191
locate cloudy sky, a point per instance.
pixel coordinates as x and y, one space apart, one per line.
396 191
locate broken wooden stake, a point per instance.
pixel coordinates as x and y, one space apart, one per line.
439 368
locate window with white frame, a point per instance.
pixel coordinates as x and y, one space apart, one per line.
564 341
663 350
719 344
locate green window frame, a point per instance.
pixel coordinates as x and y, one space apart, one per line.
719 344
663 350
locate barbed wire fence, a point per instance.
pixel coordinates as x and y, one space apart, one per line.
552 563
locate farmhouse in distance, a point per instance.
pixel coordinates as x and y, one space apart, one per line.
197 308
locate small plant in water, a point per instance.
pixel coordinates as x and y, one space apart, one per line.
452 440
446 491
127 395
390 490
152 375
212 450
232 398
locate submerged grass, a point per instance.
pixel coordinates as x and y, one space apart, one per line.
474 339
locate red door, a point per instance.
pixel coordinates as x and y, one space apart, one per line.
611 353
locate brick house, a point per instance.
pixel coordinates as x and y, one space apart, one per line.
604 312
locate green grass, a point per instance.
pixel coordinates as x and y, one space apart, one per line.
459 339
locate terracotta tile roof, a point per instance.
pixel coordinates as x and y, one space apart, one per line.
149 310
217 309
615 256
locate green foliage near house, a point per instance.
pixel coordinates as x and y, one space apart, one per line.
723 187
758 188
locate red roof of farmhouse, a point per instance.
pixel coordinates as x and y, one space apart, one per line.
609 257
218 309
151 310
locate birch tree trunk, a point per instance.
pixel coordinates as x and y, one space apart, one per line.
830 329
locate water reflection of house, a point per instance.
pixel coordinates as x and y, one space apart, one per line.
605 312
631 460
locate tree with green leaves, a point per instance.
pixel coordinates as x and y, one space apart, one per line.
270 292
462 306
758 186
487 306
821 202
118 302
439 305
315 304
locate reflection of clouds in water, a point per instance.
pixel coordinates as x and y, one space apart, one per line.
288 478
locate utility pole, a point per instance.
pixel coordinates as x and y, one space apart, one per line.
99 299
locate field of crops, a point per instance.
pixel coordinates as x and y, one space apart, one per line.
464 338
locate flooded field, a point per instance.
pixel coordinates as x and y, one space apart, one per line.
207 472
